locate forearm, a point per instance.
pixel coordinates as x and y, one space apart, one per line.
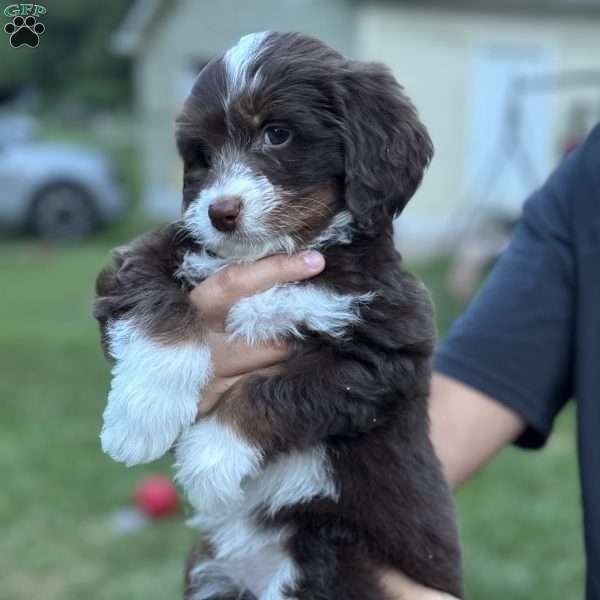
399 587
467 427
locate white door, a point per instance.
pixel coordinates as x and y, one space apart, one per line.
510 148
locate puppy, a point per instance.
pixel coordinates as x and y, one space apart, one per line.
308 480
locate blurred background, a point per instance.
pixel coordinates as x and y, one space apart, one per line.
87 161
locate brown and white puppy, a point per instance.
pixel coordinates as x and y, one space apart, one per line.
309 479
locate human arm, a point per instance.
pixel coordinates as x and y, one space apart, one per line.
468 427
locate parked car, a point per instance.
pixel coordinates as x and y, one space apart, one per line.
56 190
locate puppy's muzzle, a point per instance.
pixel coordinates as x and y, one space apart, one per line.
224 214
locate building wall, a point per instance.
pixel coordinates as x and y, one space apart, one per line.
432 54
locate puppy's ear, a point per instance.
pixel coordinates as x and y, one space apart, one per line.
386 146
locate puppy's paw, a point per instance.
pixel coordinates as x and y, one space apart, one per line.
140 430
213 462
286 310
154 394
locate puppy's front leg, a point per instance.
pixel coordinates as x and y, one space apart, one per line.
152 332
154 392
217 455
314 396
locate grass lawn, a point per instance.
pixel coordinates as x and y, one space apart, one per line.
520 518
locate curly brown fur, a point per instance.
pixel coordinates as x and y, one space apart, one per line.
140 281
357 146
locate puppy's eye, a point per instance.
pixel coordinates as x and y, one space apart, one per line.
276 136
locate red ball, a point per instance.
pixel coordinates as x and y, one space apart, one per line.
156 496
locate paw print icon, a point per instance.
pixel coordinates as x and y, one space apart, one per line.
24 32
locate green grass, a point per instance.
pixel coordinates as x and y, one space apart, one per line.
58 489
520 518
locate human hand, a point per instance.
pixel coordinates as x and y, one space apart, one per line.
400 587
215 296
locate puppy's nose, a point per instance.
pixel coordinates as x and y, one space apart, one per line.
224 212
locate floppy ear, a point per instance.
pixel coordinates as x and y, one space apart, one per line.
386 146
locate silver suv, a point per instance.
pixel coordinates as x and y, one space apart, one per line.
59 191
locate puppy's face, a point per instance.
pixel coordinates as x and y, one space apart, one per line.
281 134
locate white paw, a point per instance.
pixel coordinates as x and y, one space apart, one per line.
213 462
283 311
140 431
154 394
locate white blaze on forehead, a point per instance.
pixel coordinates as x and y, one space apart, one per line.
239 59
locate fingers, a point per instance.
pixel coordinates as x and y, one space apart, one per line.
236 358
400 587
217 294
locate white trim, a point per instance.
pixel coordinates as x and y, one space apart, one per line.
197 266
246 558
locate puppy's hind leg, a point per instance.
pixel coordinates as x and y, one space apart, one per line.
206 579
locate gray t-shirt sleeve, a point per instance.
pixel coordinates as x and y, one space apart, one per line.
515 340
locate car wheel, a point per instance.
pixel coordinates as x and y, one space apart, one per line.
63 211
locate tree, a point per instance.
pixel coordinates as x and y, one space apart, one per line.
73 60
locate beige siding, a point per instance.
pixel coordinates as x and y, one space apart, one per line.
431 54
430 51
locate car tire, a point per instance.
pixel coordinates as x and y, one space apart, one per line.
63 211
